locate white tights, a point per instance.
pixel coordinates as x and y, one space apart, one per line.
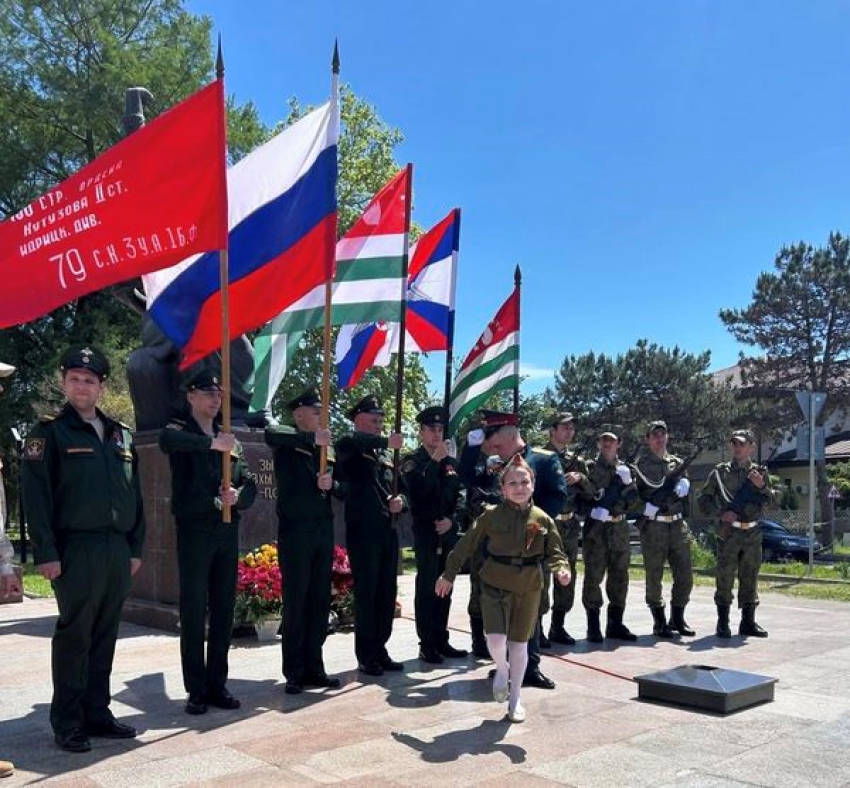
511 658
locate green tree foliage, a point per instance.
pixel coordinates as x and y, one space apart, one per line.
64 68
798 323
647 382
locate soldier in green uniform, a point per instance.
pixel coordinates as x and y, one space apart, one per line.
605 541
438 503
481 481
550 493
207 547
736 493
562 430
305 541
521 538
84 509
664 533
364 469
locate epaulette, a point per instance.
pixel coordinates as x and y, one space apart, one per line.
176 424
536 450
47 418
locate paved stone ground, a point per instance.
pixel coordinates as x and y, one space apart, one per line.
440 725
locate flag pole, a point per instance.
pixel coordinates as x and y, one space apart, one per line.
329 276
450 330
402 326
224 277
518 286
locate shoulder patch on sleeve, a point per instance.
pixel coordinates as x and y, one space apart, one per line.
176 424
34 449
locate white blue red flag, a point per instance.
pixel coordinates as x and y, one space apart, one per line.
432 275
282 220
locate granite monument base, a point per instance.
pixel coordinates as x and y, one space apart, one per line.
706 687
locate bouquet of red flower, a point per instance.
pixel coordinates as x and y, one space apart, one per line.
258 585
342 583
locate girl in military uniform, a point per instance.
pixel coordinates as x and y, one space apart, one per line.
520 538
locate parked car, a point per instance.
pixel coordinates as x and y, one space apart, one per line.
778 543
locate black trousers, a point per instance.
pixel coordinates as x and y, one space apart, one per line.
431 611
373 553
90 593
206 558
305 552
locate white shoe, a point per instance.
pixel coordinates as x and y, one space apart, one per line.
517 714
500 691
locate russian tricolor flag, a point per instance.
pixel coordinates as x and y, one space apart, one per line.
432 275
282 220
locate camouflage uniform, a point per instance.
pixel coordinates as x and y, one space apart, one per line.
739 542
664 537
569 527
606 551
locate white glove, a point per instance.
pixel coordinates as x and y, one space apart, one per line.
475 438
650 511
624 473
599 513
683 487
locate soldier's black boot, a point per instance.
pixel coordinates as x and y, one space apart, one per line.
678 623
723 630
748 626
594 631
660 628
616 629
479 642
544 642
557 633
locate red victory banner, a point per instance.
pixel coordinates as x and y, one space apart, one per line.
150 201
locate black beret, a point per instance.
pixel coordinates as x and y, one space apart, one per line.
369 404
85 357
305 399
432 416
204 380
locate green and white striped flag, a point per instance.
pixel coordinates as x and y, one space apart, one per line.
492 365
368 286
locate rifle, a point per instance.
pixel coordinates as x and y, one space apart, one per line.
747 494
664 494
573 465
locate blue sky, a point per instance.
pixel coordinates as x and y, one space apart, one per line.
642 162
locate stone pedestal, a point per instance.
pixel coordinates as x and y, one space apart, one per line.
154 598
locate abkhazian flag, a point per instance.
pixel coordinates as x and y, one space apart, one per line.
153 198
431 281
492 365
282 223
368 285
